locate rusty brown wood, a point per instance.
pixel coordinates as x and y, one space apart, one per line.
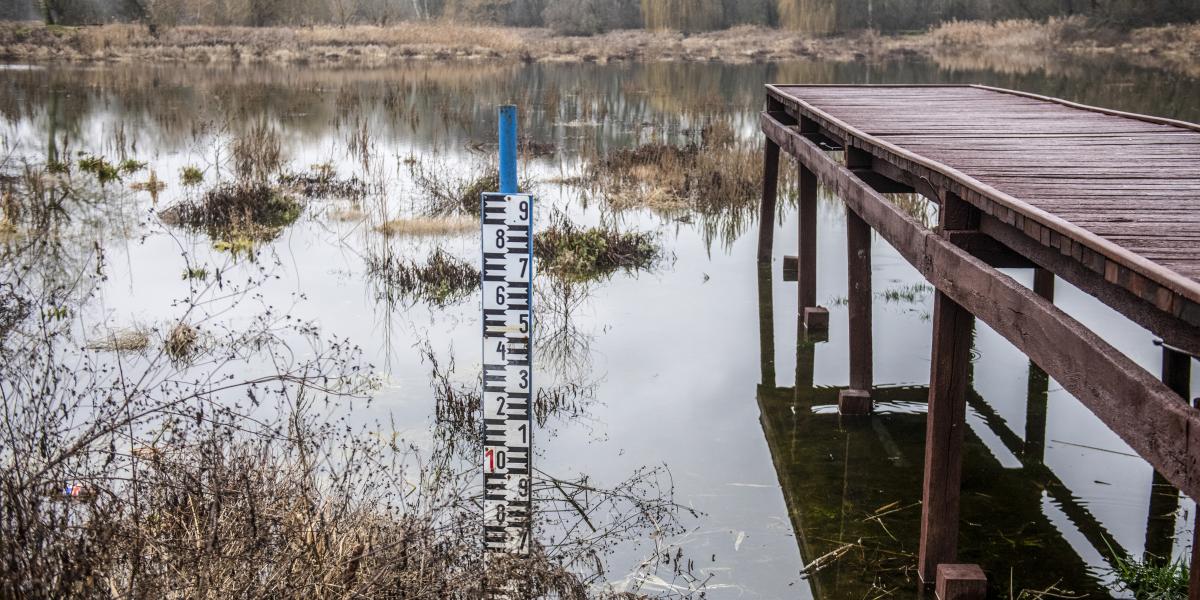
766 217
1142 410
806 273
1020 157
952 329
1132 306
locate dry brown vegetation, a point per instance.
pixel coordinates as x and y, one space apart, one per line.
429 226
366 45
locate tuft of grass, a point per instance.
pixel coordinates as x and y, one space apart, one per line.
191 176
103 170
428 226
1152 579
577 253
130 166
123 340
441 280
181 344
233 211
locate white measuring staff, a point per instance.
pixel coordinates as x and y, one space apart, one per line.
507 372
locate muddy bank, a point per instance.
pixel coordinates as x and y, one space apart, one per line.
1166 47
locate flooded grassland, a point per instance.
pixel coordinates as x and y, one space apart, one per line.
239 319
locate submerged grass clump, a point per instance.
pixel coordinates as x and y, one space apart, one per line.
428 226
441 280
321 181
569 251
191 176
251 210
103 170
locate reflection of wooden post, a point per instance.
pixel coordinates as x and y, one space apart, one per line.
766 217
1035 415
948 379
1038 388
1164 499
857 399
766 325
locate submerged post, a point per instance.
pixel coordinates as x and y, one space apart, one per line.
507 284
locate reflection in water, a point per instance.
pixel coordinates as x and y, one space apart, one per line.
644 372
853 487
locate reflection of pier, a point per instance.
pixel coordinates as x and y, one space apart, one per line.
837 472
1020 181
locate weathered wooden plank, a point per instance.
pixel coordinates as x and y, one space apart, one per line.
992 148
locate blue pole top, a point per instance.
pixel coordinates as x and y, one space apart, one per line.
508 150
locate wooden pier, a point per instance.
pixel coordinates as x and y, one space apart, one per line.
1106 201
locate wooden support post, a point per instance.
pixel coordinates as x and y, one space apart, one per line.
857 399
961 582
950 372
858 246
766 215
816 318
1043 283
946 422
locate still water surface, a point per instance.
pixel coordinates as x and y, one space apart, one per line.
696 365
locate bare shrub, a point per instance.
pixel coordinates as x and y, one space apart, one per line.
254 210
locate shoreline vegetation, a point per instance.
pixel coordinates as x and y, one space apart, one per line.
1169 46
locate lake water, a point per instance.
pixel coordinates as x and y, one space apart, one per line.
695 365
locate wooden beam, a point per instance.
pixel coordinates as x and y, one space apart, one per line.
882 184
989 250
1160 323
1142 410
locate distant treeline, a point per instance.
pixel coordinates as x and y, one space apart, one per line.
817 17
